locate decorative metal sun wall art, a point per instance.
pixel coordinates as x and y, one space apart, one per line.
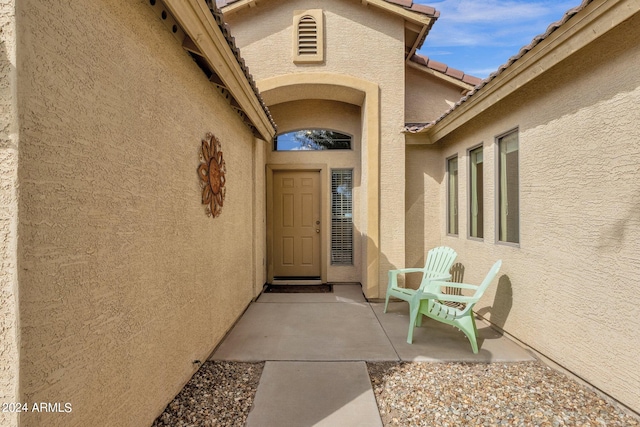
212 175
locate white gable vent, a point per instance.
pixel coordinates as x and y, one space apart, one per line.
308 36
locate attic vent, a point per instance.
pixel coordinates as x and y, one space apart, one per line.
308 36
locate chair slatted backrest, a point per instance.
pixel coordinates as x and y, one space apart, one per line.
439 262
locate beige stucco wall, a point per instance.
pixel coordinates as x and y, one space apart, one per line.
338 116
428 96
360 41
9 340
425 172
124 280
569 290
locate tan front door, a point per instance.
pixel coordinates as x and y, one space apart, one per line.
296 224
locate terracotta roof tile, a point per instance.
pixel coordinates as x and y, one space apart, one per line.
425 10
224 27
472 80
456 74
445 69
420 60
403 3
416 127
435 65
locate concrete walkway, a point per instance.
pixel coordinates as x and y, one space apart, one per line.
316 345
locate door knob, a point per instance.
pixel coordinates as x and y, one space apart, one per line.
317 230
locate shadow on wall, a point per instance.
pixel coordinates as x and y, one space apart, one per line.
7 72
613 236
502 303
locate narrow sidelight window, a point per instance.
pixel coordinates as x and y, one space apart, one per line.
476 202
341 217
452 195
508 189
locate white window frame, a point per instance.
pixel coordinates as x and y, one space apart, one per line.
457 196
471 193
499 180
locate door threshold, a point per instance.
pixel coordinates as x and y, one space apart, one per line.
296 282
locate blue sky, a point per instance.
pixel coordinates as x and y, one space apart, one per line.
477 36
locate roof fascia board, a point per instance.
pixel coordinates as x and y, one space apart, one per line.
236 6
462 85
417 18
196 20
596 19
410 16
421 35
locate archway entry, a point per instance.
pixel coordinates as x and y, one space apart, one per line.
337 103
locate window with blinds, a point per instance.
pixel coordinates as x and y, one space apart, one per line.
341 217
308 37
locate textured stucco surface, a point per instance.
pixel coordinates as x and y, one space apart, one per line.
8 212
124 280
570 290
425 173
352 33
427 96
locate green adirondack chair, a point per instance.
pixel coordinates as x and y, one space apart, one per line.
431 303
437 266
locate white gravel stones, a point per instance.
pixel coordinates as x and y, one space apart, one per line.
469 394
416 394
219 394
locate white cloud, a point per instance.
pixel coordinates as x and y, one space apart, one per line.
493 22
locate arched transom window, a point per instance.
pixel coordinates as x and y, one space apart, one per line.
312 140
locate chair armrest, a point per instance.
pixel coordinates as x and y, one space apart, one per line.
393 275
436 284
419 296
406 270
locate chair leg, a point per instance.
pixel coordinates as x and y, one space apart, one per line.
413 315
468 326
386 303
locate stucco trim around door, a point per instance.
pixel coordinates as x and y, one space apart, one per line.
349 89
324 214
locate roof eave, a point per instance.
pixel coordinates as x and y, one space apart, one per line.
215 47
418 16
464 87
592 21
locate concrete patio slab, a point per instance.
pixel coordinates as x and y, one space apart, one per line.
341 293
314 394
307 331
437 342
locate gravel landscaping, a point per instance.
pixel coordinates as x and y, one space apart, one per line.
416 394
219 394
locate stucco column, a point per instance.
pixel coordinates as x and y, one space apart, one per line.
8 213
392 178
